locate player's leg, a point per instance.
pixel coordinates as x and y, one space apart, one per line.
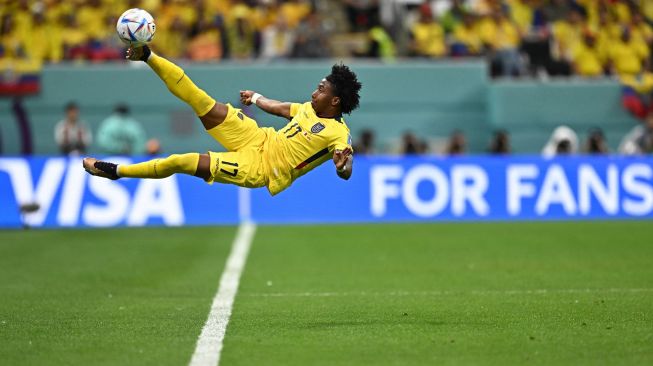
192 164
210 112
243 168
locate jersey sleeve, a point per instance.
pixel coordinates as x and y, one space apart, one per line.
294 109
341 142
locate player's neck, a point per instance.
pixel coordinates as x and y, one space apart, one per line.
333 114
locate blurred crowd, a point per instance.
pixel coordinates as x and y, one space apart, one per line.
201 30
118 134
518 37
563 141
589 38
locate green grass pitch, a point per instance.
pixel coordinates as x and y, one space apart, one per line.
428 294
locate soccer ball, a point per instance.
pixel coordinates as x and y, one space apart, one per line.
135 27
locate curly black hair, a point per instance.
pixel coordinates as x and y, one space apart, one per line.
345 86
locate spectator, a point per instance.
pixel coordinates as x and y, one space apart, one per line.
293 11
556 10
411 145
121 134
277 40
640 139
172 41
427 35
365 145
71 134
500 143
563 141
567 34
628 55
456 144
466 40
502 37
381 44
73 38
454 16
641 30
596 143
206 45
153 147
586 57
241 33
10 46
311 39
43 44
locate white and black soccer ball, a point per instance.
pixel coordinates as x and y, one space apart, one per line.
136 27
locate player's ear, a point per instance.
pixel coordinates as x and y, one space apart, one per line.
335 101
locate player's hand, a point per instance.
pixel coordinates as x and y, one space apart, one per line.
340 157
246 97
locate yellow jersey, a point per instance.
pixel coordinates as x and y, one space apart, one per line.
429 39
587 60
303 144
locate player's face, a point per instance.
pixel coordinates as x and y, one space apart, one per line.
323 98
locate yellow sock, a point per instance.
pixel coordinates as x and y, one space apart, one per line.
161 168
181 85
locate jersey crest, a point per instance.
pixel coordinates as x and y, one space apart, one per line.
317 127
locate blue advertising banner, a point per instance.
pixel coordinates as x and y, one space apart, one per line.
384 189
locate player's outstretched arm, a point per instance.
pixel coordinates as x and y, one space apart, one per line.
271 106
344 161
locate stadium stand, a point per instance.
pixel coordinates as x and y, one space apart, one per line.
603 42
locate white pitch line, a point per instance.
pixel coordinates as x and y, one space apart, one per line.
209 344
448 293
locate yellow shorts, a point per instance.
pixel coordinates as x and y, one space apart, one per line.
238 131
242 164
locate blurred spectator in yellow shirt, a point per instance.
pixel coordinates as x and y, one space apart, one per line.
607 31
73 38
266 14
55 9
641 31
568 33
466 40
241 33
646 8
90 18
521 12
294 11
105 45
172 41
501 36
586 58
11 46
427 35
22 16
628 55
43 43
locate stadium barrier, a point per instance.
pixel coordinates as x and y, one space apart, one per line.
56 192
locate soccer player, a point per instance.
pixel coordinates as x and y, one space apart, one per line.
256 156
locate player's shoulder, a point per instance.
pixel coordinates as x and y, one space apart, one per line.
340 122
